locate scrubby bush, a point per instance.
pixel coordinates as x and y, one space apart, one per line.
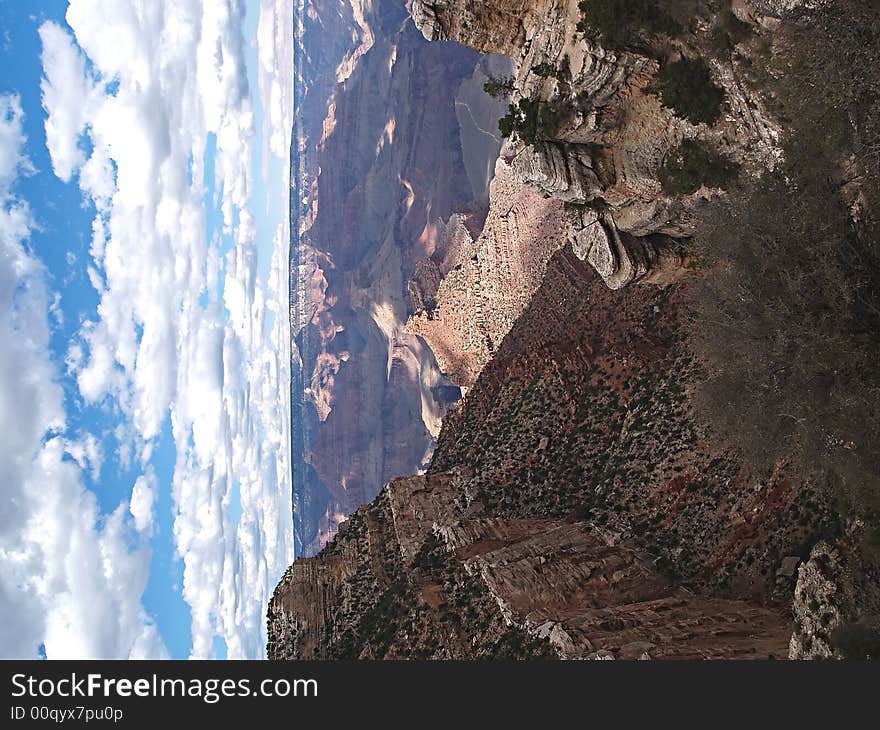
545 70
687 88
786 318
531 119
499 86
692 165
626 23
728 31
857 640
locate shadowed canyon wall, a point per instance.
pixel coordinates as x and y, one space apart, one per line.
383 117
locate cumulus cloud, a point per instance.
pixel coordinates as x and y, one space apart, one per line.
67 94
161 78
88 452
71 580
142 496
90 580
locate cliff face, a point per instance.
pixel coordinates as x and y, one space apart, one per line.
585 412
390 587
476 289
571 510
610 133
496 26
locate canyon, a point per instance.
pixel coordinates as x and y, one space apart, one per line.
572 504
379 166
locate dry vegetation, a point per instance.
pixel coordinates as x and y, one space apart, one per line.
787 320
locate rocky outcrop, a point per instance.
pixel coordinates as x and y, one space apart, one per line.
621 258
836 600
470 293
611 134
416 575
572 509
818 605
496 26
480 286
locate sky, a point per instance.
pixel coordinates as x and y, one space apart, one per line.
144 335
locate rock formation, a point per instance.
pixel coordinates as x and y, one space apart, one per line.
837 591
479 288
572 509
409 577
612 132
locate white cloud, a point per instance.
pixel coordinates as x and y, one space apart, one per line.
141 505
88 453
89 579
55 309
275 53
67 94
74 358
71 580
12 161
163 342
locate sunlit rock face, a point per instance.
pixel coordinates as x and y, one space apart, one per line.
475 287
383 118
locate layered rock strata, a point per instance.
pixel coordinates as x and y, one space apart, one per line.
612 133
574 508
408 578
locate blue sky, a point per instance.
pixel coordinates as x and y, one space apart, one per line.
154 176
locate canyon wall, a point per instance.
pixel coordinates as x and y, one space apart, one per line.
572 510
379 166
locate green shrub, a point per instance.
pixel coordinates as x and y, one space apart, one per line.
498 86
531 119
687 88
626 23
545 70
691 165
